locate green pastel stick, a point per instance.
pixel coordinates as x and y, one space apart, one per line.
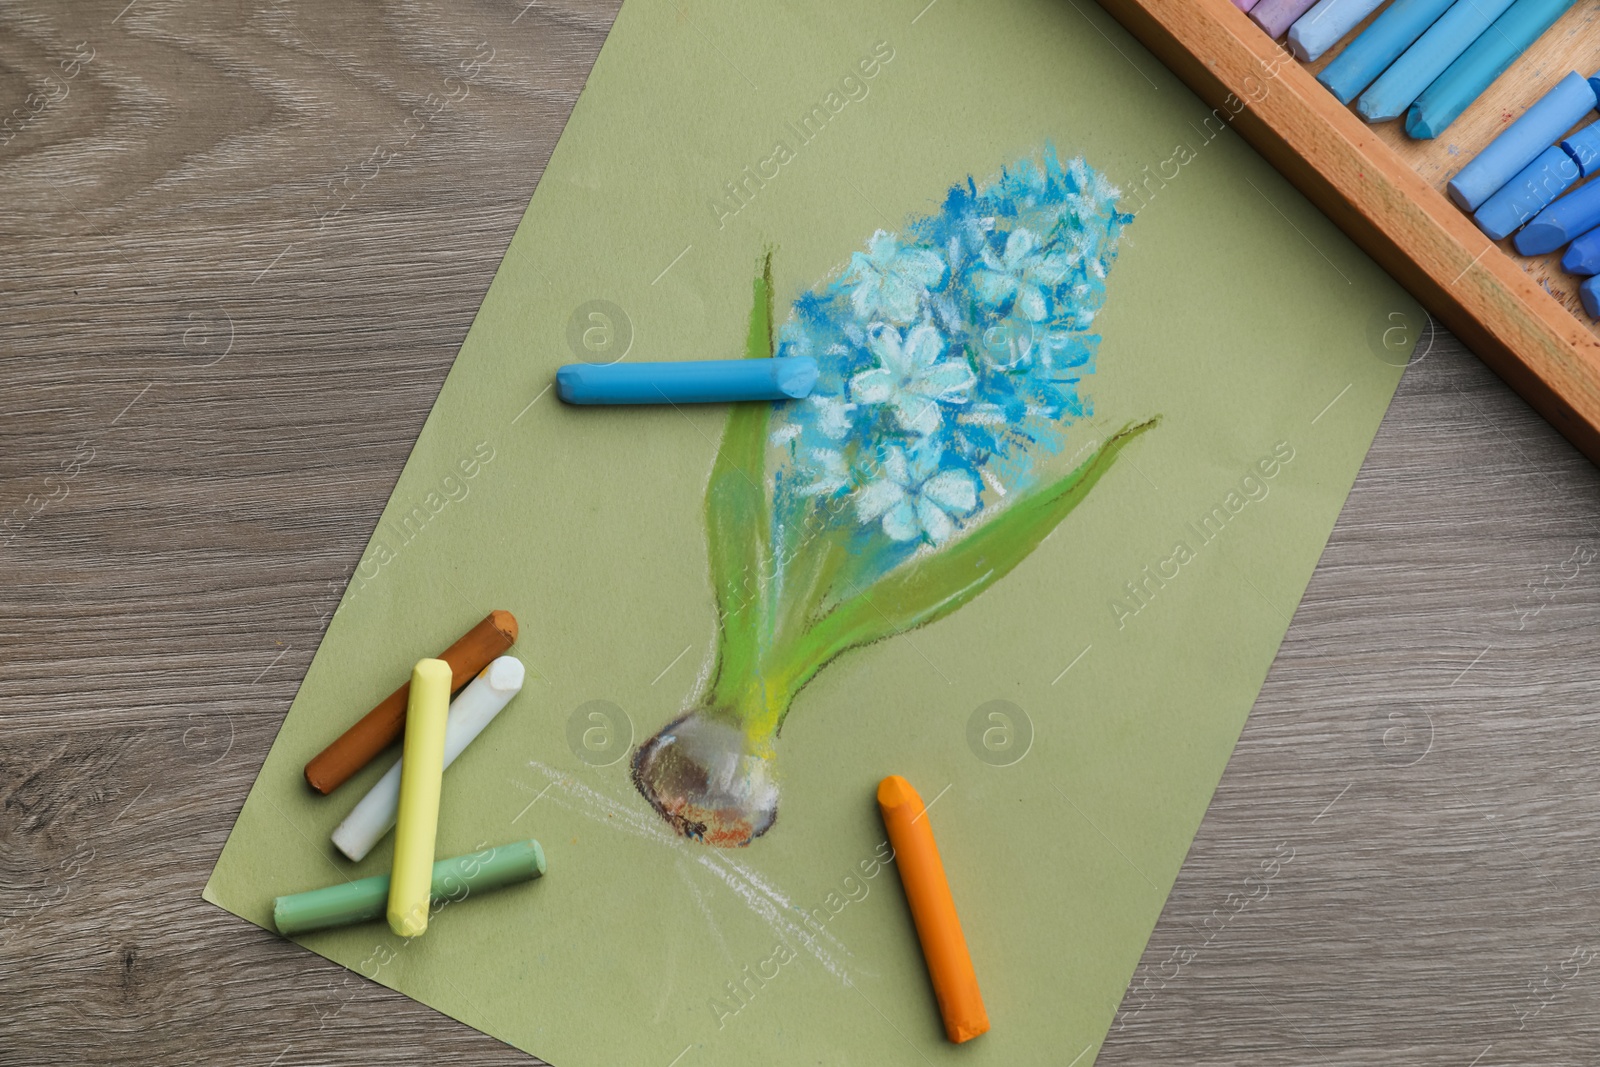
368 898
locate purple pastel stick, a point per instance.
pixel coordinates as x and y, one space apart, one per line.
1245 5
1276 16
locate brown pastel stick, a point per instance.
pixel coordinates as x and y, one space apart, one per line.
383 725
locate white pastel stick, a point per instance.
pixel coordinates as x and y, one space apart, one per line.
478 704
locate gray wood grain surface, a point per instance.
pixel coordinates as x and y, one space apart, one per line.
232 277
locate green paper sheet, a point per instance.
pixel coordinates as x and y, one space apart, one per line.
1068 723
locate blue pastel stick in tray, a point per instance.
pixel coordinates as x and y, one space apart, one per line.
1550 174
1584 147
1485 60
1325 26
1589 293
1569 217
1399 86
715 381
1537 129
1379 45
1583 255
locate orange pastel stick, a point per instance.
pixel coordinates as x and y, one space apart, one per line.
933 909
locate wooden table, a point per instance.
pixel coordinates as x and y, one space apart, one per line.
231 281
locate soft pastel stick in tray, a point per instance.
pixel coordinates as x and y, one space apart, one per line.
1570 217
1589 293
1583 255
1520 143
1550 174
1379 45
1584 148
1396 89
1276 16
1484 60
1326 25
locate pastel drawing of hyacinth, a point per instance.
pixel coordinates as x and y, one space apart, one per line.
952 359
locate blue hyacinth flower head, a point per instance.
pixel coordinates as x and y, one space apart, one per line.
953 357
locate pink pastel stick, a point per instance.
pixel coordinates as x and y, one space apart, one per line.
1276 16
1245 5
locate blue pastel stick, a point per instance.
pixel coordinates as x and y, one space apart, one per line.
1485 60
1523 197
1583 255
1589 292
712 381
1399 86
1325 26
1584 148
1380 44
1539 127
1572 216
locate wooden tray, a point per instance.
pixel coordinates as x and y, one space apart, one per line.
1519 315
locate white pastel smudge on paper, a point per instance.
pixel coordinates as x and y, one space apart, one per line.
769 903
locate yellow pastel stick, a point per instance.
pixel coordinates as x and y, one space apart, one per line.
411 878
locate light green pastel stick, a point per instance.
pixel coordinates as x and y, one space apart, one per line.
420 777
366 899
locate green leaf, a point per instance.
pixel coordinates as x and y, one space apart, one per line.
737 520
930 587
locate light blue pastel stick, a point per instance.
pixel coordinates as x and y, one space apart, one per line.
1584 148
1539 127
1325 26
1523 197
713 381
1380 44
1571 216
1583 255
1589 293
1400 85
1485 60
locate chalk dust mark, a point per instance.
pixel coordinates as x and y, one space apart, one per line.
764 899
